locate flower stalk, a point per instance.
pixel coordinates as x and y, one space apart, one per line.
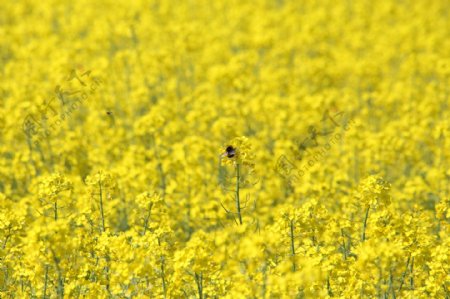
238 201
101 205
366 217
291 234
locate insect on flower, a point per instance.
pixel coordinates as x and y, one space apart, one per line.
230 152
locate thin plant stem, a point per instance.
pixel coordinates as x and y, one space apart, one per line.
147 218
238 202
199 282
6 240
60 286
344 248
292 244
163 275
404 274
329 290
363 237
101 205
391 285
56 210
45 282
264 285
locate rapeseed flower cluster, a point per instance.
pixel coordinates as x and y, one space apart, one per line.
224 149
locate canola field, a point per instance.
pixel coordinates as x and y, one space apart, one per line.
224 149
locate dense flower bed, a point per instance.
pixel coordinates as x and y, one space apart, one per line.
224 149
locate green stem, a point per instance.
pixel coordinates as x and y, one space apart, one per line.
391 285
344 248
163 278
147 219
404 274
363 237
101 206
45 282
198 280
30 149
329 290
264 286
238 202
108 274
56 210
447 294
5 278
163 275
60 286
6 240
292 245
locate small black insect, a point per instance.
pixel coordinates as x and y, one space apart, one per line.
230 151
109 112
